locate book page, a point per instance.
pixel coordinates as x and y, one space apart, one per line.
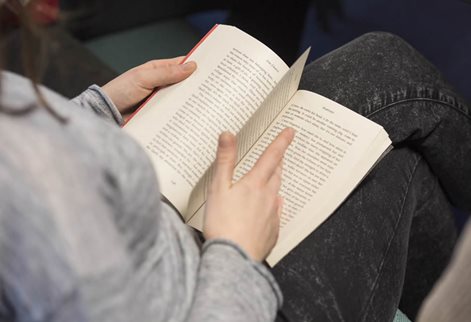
332 151
180 124
255 126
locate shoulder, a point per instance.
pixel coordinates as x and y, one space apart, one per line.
72 198
79 179
84 135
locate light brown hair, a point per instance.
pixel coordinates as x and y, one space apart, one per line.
14 15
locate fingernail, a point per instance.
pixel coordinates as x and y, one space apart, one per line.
225 139
191 65
291 132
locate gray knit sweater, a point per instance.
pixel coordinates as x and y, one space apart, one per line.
85 237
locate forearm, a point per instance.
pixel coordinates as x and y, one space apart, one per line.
232 287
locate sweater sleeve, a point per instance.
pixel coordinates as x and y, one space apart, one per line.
95 100
232 287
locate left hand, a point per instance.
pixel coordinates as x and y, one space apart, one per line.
130 88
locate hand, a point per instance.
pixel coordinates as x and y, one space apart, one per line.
248 211
128 89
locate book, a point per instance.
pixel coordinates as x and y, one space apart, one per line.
243 87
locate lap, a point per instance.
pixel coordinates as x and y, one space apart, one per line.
354 265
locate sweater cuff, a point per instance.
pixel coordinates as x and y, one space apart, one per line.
220 245
94 98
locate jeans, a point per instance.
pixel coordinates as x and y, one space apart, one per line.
390 240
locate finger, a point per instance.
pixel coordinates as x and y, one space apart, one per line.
278 212
274 183
267 163
280 201
164 75
225 160
156 63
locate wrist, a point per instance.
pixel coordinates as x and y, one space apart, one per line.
245 248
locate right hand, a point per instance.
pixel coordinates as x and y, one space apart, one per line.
248 211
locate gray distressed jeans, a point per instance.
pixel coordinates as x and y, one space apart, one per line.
391 239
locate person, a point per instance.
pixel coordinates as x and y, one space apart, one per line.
84 235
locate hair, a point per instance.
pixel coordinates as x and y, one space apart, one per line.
32 53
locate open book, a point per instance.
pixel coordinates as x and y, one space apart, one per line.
241 86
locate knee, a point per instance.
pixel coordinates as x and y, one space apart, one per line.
371 63
384 42
391 53
381 37
378 48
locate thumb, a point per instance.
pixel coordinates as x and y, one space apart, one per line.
225 159
280 202
165 74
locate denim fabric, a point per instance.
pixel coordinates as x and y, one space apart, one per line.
391 239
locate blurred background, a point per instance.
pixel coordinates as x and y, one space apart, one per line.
102 38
